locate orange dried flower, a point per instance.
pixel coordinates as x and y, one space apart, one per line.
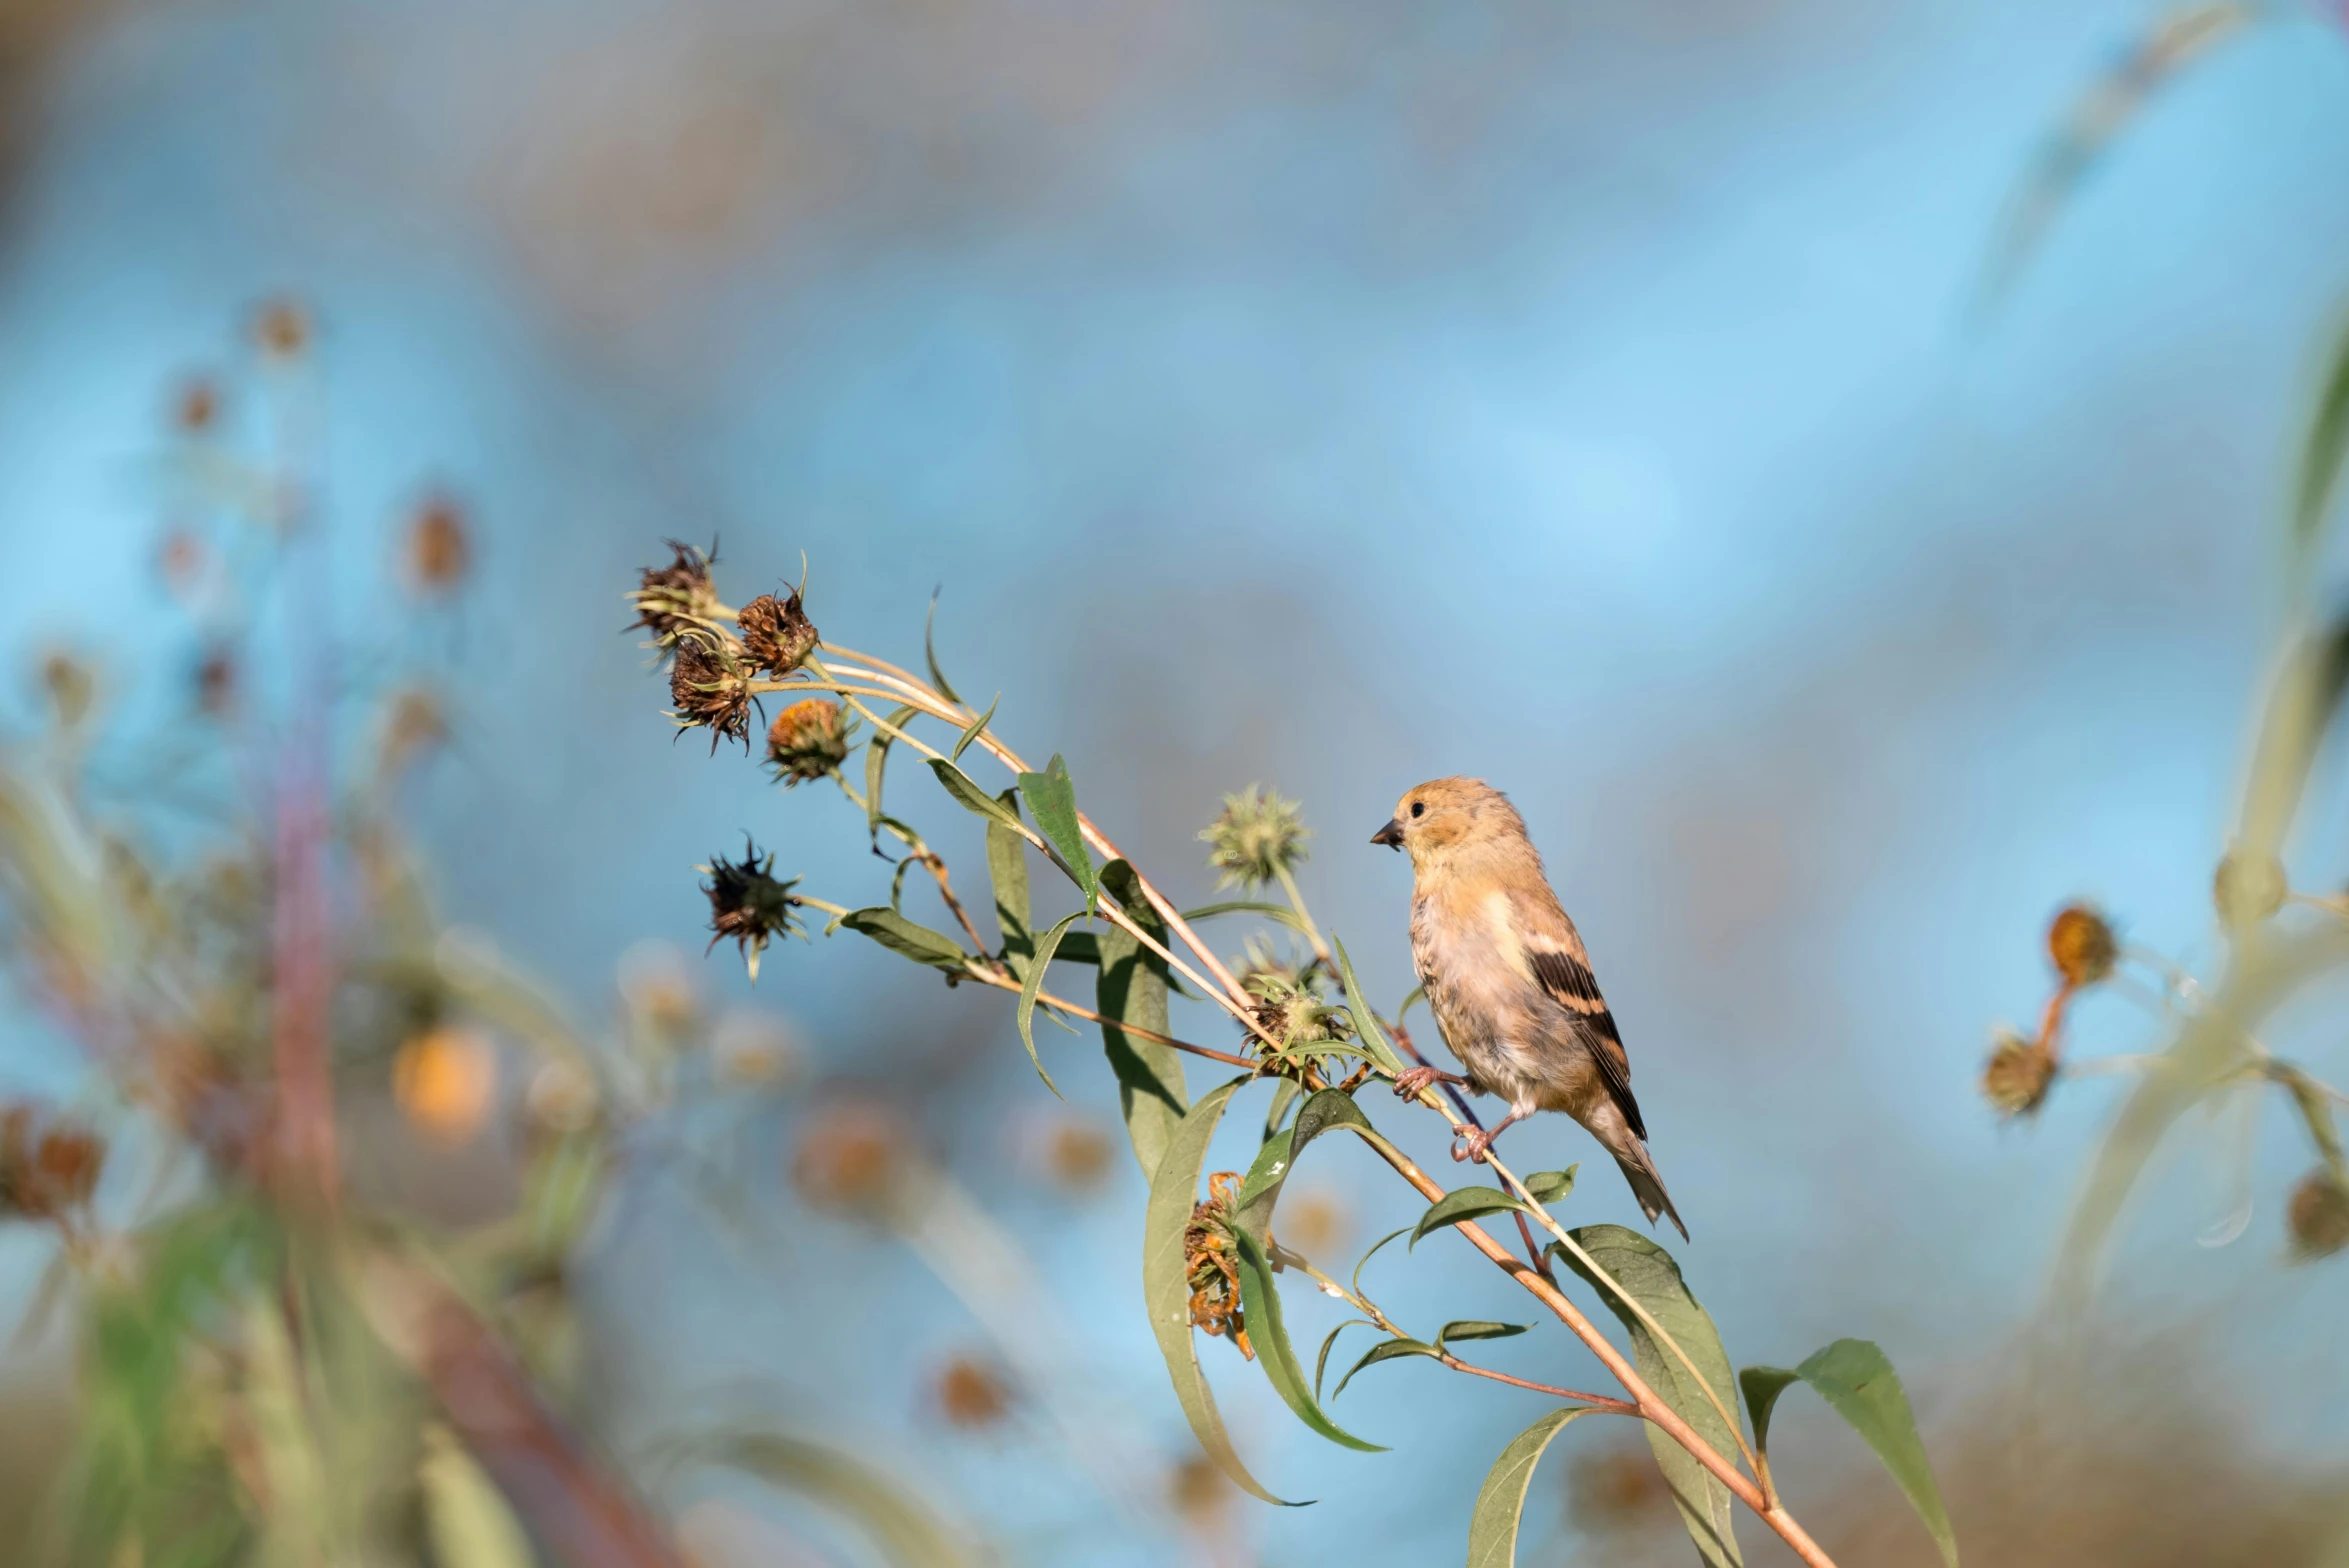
848 1162
1210 1262
46 1171
972 1394
282 327
2018 1075
195 408
1200 1493
440 547
444 1082
808 741
1077 1154
2081 945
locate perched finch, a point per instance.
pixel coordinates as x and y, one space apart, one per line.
1508 980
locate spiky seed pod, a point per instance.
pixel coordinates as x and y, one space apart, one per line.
808 740
708 686
1210 1263
674 599
2081 945
2248 888
440 546
777 632
749 904
972 1394
1289 1000
2018 1075
1258 836
2318 1215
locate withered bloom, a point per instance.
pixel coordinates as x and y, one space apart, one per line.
707 685
440 548
851 1160
673 599
808 740
2081 945
283 328
1288 1000
1210 1263
748 904
777 632
2018 1075
46 1172
196 407
2318 1215
972 1394
216 683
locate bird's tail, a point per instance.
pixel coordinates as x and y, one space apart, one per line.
1646 1185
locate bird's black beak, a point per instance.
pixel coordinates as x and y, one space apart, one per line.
1391 835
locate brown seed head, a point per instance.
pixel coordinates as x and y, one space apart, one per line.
1077 1155
216 683
972 1394
849 1162
679 597
777 632
1200 1493
2318 1216
2081 945
749 904
1211 1263
808 740
2018 1075
48 1167
195 408
440 547
282 328
708 686
2248 887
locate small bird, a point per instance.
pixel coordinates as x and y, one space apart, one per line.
1508 979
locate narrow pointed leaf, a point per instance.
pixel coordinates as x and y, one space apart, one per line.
1855 1377
1326 1109
1052 801
1384 1350
1007 872
1260 1300
1762 1386
1649 1274
1035 983
1321 1362
1132 990
961 786
976 728
1473 1328
1366 1030
900 935
1469 1203
1279 913
1361 1262
930 652
1500 1502
1549 1187
1166 1289
877 763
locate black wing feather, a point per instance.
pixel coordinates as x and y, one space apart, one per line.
1569 980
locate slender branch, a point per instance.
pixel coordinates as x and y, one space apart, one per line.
1618 1407
1061 1004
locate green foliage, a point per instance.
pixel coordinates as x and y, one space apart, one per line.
1857 1380
1386 1350
1366 1030
1468 1203
974 729
1133 991
877 764
1500 1502
1007 873
1035 983
906 938
1274 1353
1052 801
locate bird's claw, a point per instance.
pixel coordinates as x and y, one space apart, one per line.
1472 1145
1412 1082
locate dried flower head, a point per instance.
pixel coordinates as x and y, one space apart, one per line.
439 545
1201 1494
282 328
48 1168
708 686
444 1081
71 686
195 407
2018 1075
1290 1004
1210 1263
1315 1223
674 599
2081 945
1077 1154
972 1394
777 632
2318 1215
1256 840
809 740
849 1162
748 904
2248 888
216 683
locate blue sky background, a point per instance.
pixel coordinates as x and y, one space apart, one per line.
1582 396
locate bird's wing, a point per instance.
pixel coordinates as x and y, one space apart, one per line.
1553 950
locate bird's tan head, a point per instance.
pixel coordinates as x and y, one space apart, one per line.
1435 820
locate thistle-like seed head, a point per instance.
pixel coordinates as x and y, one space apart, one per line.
674 599
709 686
2318 1215
2018 1075
749 904
777 632
1259 836
2248 887
1289 1001
2081 945
808 740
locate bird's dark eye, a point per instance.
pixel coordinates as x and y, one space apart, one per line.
1418 808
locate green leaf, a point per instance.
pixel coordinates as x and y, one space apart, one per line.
1260 1300
1856 1378
1132 990
902 936
1035 983
1469 1203
1417 996
1166 1287
909 1533
1549 1187
930 652
1472 1328
1082 947
1384 1350
1052 801
1278 1157
876 762
1366 1030
1321 1362
961 786
1280 913
1372 1253
977 727
1284 1095
1762 1386
2322 455
1653 1279
1007 870
1500 1502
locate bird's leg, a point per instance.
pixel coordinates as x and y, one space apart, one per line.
1473 1144
1412 1081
